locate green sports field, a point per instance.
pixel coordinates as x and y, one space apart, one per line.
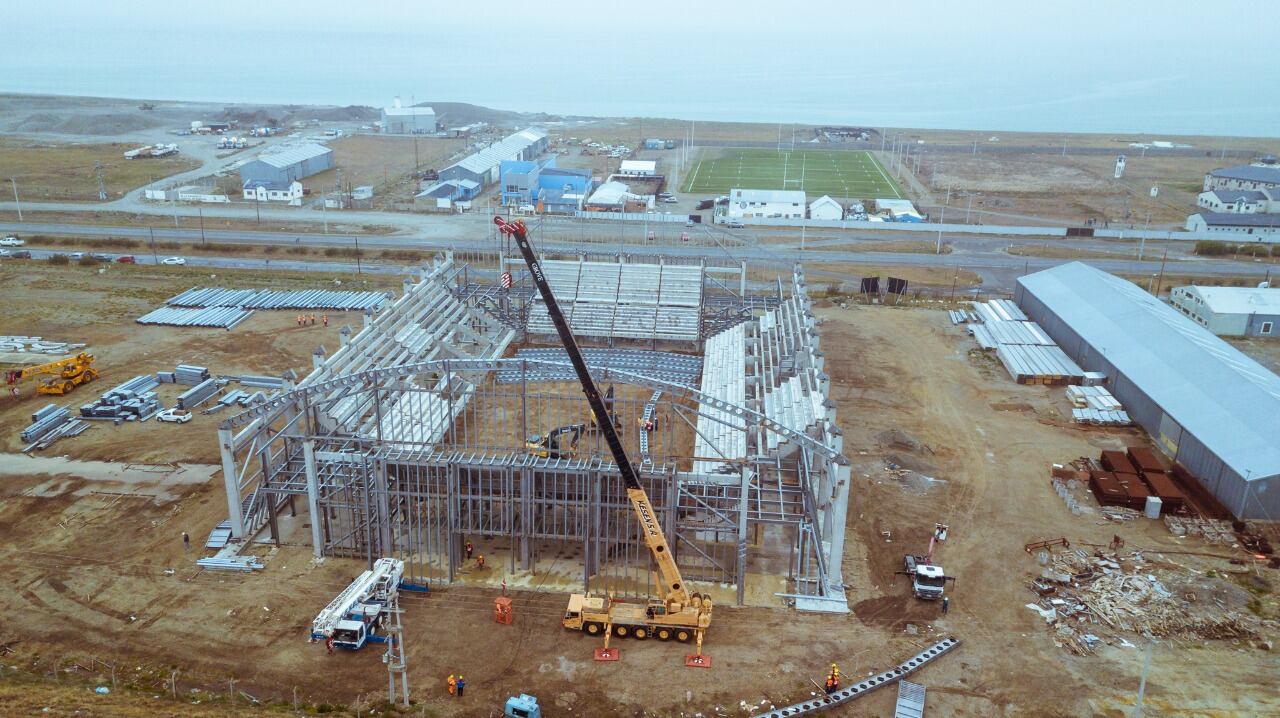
853 174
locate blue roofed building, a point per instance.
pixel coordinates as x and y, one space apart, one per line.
556 189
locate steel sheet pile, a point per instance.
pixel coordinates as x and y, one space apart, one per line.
329 299
134 399
1090 599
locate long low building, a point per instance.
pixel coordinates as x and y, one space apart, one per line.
1234 227
483 167
287 165
1207 406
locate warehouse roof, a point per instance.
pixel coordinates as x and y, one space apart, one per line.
1249 173
294 155
1236 219
407 111
1239 300
1231 195
638 167
510 146
1228 401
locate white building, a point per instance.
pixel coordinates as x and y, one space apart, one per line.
1235 227
766 204
825 208
614 196
1241 201
1261 174
899 210
267 191
398 120
1231 311
638 168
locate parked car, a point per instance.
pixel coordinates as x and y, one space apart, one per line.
126 259
75 256
101 257
670 200
4 253
175 416
733 224
22 254
174 261
11 241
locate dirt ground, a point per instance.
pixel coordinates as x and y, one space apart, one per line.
104 570
384 162
47 171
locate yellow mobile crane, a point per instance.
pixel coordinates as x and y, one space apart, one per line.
675 613
70 373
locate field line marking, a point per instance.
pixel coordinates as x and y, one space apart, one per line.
694 176
885 176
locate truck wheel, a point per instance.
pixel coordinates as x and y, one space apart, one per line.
642 633
682 635
592 629
621 631
664 634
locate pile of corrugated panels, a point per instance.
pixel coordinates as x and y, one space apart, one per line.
278 299
231 563
991 335
1095 405
36 345
959 316
199 394
240 397
1039 365
134 399
999 310
223 317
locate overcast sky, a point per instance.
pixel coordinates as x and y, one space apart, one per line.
926 63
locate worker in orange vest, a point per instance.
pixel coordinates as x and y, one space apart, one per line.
325 319
480 561
453 684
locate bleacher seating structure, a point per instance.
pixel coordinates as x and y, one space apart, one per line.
623 300
771 364
427 322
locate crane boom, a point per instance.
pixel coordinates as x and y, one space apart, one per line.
671 586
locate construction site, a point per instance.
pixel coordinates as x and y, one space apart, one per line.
605 485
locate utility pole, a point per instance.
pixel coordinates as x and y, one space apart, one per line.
1160 280
357 240
154 258
13 181
1142 241
968 208
201 212
941 221
256 208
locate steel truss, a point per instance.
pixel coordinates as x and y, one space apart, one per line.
375 491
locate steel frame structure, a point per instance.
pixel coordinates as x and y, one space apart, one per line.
375 487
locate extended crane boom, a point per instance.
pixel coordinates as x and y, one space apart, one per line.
678 614
71 372
672 587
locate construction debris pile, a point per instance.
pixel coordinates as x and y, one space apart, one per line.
1021 345
50 424
227 308
1135 478
37 345
1096 406
1090 599
134 400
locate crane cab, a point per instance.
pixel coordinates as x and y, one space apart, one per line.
522 706
351 635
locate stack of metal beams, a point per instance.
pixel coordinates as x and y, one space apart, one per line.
231 563
198 394
134 399
276 299
44 421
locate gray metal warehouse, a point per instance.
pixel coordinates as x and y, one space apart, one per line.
288 165
1206 405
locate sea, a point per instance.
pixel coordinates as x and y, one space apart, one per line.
886 75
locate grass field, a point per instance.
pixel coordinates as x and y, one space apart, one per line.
837 173
66 171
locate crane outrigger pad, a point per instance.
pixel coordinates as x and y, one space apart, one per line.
697 660
607 654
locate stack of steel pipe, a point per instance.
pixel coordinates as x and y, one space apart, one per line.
276 299
198 394
222 317
45 421
134 399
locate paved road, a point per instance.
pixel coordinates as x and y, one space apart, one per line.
984 255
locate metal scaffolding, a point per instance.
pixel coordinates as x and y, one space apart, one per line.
412 458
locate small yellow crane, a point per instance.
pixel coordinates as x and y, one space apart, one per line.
68 374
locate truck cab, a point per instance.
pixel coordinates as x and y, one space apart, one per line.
351 635
928 581
522 706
